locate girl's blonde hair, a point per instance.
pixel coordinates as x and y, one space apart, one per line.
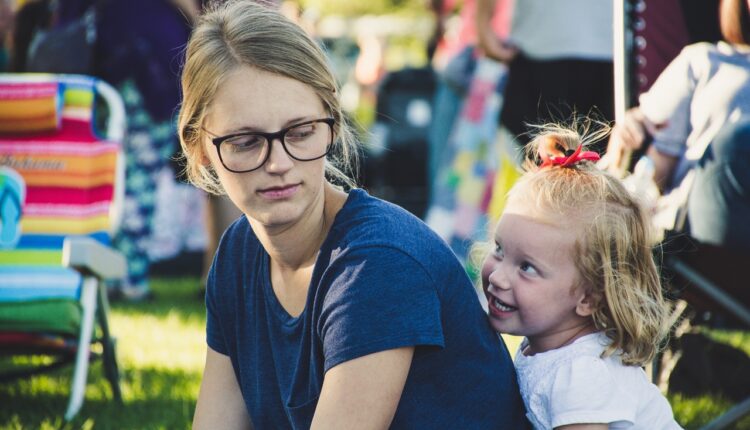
614 253
241 33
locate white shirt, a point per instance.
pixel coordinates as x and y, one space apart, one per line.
563 29
706 87
574 385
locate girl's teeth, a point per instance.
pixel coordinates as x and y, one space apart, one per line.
499 305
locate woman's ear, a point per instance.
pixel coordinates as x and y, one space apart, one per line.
202 157
204 160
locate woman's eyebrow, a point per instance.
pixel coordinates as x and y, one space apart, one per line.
255 129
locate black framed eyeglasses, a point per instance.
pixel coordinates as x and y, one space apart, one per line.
245 152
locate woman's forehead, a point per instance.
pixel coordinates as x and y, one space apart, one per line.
249 97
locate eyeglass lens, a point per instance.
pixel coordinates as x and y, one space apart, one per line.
304 142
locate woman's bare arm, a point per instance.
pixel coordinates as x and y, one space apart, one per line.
220 404
363 393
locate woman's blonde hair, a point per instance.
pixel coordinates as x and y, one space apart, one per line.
614 255
241 33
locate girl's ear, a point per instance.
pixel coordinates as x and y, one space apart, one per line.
586 305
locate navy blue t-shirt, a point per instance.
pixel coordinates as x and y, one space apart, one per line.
382 280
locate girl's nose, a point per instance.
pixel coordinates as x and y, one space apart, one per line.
498 278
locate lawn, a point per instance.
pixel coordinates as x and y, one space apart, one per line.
161 349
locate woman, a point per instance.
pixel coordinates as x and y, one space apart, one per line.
324 309
697 113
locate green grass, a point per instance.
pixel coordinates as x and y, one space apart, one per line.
695 412
161 348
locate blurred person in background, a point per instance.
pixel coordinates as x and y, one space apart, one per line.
563 64
31 17
139 50
696 117
325 308
7 16
454 52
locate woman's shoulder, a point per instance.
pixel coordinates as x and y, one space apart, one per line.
713 53
694 57
699 48
369 221
370 226
239 229
237 240
361 204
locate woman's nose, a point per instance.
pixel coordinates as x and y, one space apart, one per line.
278 160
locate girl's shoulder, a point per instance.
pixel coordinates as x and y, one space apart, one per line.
581 360
573 383
577 383
590 345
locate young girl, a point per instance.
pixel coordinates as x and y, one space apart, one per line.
572 271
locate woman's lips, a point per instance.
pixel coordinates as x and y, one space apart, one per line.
277 193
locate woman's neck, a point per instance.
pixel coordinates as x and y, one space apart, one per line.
295 246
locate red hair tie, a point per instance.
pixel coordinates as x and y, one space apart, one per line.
569 159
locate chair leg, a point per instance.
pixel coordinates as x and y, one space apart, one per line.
729 417
733 306
109 356
78 386
111 370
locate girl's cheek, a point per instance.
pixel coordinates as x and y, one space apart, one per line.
486 272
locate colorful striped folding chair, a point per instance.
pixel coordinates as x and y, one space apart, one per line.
59 188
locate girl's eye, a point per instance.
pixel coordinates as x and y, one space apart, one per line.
498 250
528 268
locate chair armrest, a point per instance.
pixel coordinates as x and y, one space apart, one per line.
89 256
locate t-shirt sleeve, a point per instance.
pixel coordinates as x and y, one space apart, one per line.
214 336
584 391
668 101
379 298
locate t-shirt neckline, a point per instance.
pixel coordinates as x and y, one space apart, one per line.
277 308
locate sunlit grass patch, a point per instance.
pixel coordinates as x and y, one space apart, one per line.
694 412
160 349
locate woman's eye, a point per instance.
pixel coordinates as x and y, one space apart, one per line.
245 142
528 268
498 250
299 133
